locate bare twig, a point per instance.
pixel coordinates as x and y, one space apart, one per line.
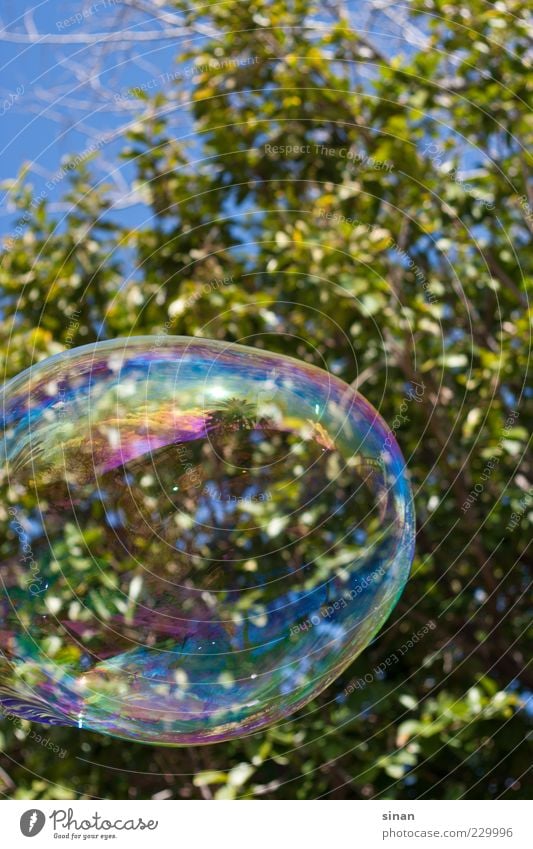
121 37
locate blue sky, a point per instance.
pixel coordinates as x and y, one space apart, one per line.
57 99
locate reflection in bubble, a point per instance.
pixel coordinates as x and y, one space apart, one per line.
210 535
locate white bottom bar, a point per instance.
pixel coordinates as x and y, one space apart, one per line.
267 825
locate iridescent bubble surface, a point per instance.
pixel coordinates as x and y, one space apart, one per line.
201 537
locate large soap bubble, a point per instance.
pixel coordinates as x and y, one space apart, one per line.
200 537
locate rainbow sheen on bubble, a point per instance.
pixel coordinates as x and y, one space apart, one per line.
201 537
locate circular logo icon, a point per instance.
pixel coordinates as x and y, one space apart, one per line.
32 822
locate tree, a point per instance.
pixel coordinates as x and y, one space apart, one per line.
369 214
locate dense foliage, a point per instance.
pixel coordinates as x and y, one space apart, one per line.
371 215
